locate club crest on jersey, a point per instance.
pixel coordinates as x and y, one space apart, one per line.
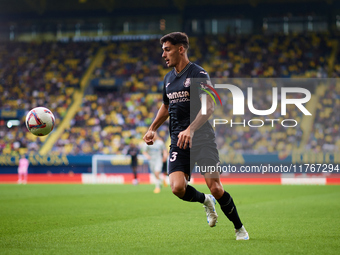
203 85
187 83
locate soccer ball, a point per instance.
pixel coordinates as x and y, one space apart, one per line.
40 121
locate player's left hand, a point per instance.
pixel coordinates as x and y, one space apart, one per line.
185 139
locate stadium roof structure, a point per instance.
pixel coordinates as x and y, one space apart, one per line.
41 7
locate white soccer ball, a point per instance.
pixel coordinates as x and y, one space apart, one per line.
40 121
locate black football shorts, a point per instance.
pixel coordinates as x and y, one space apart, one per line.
184 160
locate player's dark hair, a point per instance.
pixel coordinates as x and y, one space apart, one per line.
176 38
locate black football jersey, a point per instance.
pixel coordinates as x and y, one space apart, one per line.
179 89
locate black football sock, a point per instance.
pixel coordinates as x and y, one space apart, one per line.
228 207
192 195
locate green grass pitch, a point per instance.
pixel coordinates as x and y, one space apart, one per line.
126 219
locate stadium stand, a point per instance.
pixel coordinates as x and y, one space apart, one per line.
325 134
300 55
39 74
137 65
50 72
107 121
132 78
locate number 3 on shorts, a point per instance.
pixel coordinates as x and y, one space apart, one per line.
173 156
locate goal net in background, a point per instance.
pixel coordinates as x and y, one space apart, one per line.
116 169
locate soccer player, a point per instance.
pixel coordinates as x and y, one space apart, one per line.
156 154
133 151
23 170
185 133
165 170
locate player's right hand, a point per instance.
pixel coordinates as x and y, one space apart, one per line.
148 137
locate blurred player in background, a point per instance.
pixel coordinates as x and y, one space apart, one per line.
133 151
165 170
183 133
23 169
156 154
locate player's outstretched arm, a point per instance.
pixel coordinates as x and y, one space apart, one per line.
161 117
185 137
